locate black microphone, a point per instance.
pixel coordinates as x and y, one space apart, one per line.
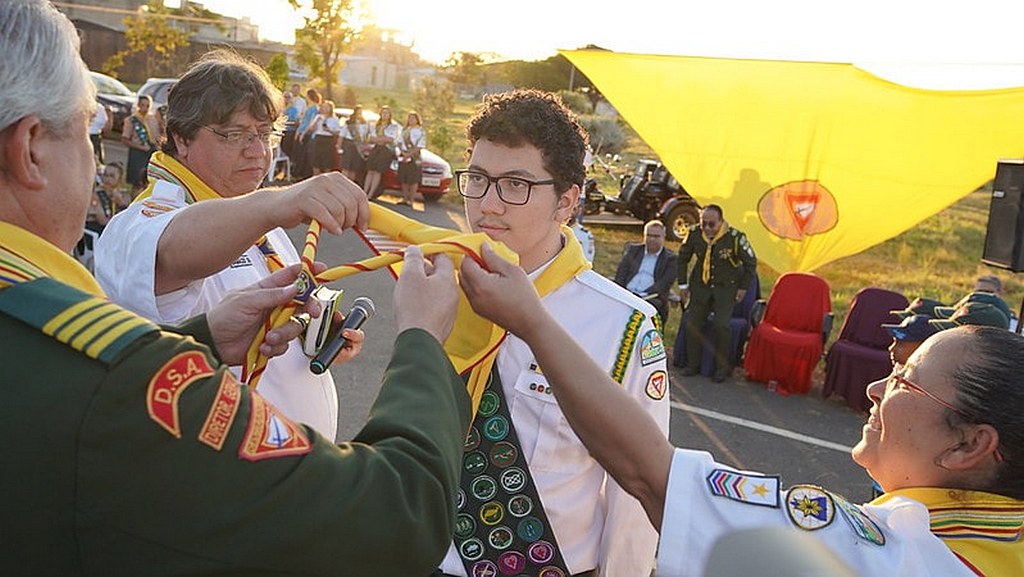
362 309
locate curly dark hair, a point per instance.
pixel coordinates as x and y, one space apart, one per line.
214 88
541 119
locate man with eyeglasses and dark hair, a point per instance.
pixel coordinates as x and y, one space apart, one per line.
725 266
534 501
201 228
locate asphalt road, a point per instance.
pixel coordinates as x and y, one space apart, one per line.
805 438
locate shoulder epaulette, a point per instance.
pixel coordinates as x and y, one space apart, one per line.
94 326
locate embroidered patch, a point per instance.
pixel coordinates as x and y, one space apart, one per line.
626 345
154 208
810 507
657 385
760 490
167 385
271 434
859 521
222 413
241 262
652 348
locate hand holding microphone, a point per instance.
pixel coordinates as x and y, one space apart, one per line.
362 310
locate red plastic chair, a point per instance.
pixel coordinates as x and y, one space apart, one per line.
860 355
787 344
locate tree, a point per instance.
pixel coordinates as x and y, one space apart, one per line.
329 32
464 68
435 101
278 70
150 35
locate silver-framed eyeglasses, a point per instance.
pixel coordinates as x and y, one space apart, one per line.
511 189
242 139
898 378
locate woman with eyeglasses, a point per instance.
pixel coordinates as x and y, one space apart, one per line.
943 439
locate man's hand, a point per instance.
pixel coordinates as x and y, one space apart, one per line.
740 293
426 296
504 295
334 200
235 320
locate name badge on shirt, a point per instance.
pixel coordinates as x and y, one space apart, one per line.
242 262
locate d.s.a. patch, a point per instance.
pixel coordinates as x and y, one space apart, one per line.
862 525
271 434
169 382
760 490
810 507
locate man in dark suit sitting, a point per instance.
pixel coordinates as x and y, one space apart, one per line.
649 269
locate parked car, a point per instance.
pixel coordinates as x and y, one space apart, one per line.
436 173
157 89
435 176
117 97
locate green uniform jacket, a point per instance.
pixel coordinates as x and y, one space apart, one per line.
97 481
733 263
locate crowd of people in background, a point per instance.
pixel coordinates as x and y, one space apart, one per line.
316 140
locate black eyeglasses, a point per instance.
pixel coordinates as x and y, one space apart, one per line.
511 189
242 139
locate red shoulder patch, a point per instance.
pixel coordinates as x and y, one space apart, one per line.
271 434
222 412
167 385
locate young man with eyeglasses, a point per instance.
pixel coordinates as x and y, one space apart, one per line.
725 266
536 502
201 229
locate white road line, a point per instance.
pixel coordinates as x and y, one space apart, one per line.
760 427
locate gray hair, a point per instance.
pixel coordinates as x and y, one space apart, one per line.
219 84
41 72
990 389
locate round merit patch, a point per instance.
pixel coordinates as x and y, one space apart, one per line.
657 385
810 507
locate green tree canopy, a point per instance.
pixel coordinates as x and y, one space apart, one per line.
329 32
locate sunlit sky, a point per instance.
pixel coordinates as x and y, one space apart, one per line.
883 35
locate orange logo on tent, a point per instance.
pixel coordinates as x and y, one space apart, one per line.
798 209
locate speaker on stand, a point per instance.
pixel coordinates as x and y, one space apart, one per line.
1004 236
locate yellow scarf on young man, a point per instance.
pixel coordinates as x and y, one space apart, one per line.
473 343
25 256
984 530
705 272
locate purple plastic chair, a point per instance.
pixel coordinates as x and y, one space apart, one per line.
860 355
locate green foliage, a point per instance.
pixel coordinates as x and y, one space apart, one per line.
435 101
278 70
606 134
551 75
326 36
577 102
151 36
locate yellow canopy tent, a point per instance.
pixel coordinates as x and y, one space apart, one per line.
814 161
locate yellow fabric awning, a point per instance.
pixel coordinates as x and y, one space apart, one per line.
814 161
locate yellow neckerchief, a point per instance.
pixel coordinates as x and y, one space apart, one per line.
25 256
473 343
983 529
163 166
705 273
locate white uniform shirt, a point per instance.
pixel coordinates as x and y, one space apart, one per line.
417 138
99 120
891 538
125 268
596 523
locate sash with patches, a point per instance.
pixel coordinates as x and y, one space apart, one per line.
983 529
49 290
749 488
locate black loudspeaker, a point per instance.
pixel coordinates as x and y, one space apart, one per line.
1004 238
